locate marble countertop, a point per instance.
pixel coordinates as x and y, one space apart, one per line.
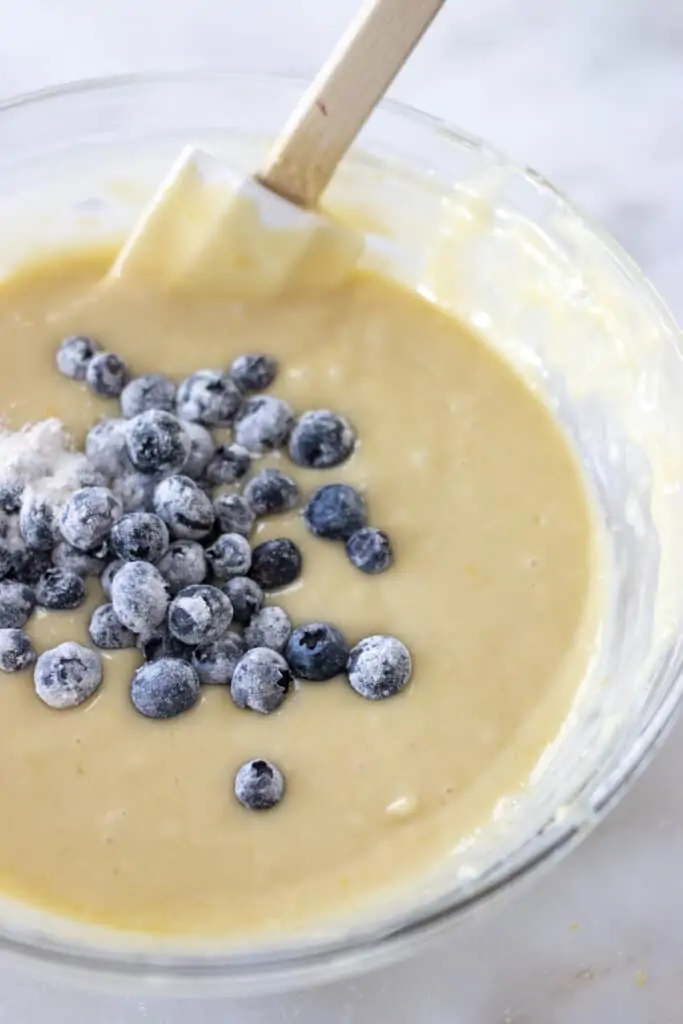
589 92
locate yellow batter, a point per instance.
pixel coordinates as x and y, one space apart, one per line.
128 822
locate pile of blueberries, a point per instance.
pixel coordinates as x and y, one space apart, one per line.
172 552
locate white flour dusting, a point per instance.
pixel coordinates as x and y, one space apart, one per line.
42 457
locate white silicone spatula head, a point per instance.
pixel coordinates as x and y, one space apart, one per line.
206 230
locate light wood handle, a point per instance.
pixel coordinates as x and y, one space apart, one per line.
343 95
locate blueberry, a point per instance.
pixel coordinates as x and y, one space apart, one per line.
105 447
164 688
183 565
159 643
246 598
209 397
157 442
229 555
140 596
139 536
317 652
275 563
5 560
28 565
229 463
17 601
233 515
379 667
369 550
321 439
60 590
264 424
215 662
107 575
271 492
253 373
108 632
153 391
199 614
270 627
135 491
67 675
106 374
16 650
259 785
261 681
74 355
184 507
83 563
88 516
37 522
335 511
202 448
10 496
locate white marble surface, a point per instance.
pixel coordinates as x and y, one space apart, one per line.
589 91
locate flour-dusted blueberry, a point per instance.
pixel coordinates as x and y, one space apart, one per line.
228 464
379 667
157 442
317 651
60 590
28 565
67 675
164 688
261 681
17 602
5 559
140 596
199 614
105 447
159 643
370 550
16 650
135 491
202 447
108 573
74 356
215 662
209 397
108 632
275 563
253 372
321 439
233 514
229 555
264 424
185 508
88 516
335 511
269 627
259 785
246 598
106 374
183 565
139 536
83 563
10 496
271 492
37 521
152 391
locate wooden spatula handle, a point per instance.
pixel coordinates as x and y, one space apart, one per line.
343 95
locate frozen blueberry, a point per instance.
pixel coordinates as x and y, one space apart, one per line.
185 508
321 439
271 492
10 496
88 516
369 550
246 598
201 449
107 575
259 785
264 424
215 662
335 511
199 614
74 355
253 373
233 515
183 565
139 536
16 650
157 442
135 491
106 374
28 565
60 590
164 688
108 632
379 667
17 601
37 522
229 463
317 651
153 391
140 596
105 447
229 555
270 627
67 675
159 643
275 563
261 681
83 563
209 397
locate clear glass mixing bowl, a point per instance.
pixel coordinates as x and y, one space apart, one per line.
499 246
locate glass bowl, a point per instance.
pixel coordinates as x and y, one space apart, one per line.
499 246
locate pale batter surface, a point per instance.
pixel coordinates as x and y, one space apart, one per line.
128 822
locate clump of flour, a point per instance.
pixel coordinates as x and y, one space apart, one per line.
42 456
